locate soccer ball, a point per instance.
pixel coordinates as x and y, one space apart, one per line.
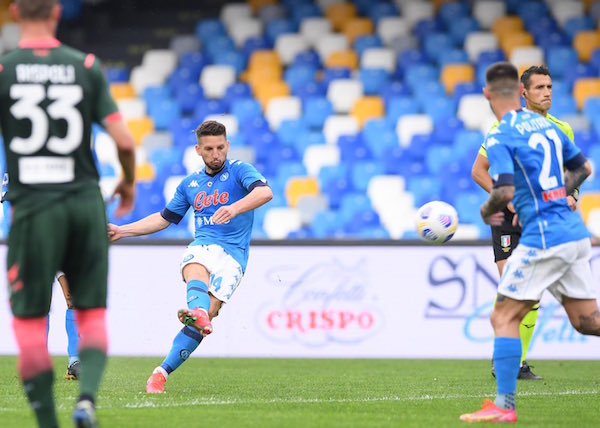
436 222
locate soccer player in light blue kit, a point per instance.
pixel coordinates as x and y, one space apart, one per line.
527 154
223 196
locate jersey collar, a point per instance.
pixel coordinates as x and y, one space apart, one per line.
43 43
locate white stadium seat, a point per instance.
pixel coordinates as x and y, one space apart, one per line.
479 41
314 28
288 45
487 11
317 156
280 221
409 125
343 93
215 79
379 58
390 27
337 125
330 43
282 108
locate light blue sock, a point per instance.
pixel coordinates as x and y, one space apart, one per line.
186 342
197 295
72 336
507 360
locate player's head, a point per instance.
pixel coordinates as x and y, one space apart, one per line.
502 86
537 88
35 10
212 144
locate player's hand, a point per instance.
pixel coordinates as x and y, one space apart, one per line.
114 232
127 193
495 219
572 203
224 214
516 221
511 207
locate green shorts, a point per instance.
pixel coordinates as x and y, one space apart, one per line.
69 235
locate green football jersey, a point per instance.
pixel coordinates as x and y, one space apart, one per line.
50 95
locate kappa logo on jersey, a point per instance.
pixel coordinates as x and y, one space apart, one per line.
193 183
491 142
203 200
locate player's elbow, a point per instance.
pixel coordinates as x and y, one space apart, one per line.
267 194
587 168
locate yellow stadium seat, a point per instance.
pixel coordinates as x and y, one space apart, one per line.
140 128
300 186
145 172
265 74
347 58
121 90
340 13
263 58
257 4
585 42
366 108
265 91
588 202
585 88
452 74
506 25
357 27
513 40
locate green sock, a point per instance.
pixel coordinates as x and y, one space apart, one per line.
526 329
91 363
41 400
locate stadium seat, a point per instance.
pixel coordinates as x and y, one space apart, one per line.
342 59
281 108
191 161
241 29
139 128
10 35
215 79
474 110
515 40
279 222
373 80
356 27
144 172
587 202
330 43
289 45
506 25
391 27
585 42
479 41
314 29
160 61
231 12
453 74
384 58
318 156
559 59
415 11
340 13
131 108
585 88
316 110
122 91
337 125
412 124
297 187
268 90
309 205
362 43
486 12
343 93
562 11
366 108
526 56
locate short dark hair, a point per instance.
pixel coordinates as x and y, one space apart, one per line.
534 69
502 78
210 127
35 10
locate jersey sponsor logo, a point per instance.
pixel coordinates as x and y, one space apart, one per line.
553 195
193 183
204 200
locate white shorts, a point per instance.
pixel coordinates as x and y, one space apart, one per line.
225 272
564 270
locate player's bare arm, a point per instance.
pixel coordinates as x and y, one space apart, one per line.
480 173
574 178
491 210
126 150
147 225
259 196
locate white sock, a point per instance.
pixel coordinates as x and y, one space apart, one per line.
162 371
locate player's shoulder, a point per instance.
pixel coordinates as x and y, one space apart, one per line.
235 165
562 125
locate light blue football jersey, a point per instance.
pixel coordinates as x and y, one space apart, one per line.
529 151
205 194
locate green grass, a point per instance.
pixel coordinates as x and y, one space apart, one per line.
315 393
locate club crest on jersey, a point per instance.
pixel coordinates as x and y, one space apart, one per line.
225 176
505 243
203 200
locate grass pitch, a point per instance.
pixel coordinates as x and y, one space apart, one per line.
314 393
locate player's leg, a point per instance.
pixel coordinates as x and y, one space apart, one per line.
86 267
32 260
71 328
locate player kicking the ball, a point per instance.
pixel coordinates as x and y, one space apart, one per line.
223 196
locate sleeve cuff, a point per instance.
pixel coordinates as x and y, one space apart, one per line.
257 183
575 162
504 180
170 216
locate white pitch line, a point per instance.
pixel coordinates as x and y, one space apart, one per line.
212 401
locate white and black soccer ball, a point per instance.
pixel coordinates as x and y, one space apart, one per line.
436 222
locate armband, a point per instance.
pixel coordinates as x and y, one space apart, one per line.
575 194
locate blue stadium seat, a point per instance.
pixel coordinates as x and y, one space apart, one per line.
263 143
182 76
245 108
208 28
209 107
333 73
302 11
437 43
289 129
164 113
467 204
416 75
595 59
392 89
194 61
308 138
563 105
460 27
329 173
444 130
254 126
400 106
237 90
466 88
426 27
419 144
361 173
540 25
373 79
467 143
577 24
156 94
302 233
578 71
424 188
381 10
310 89
437 157
559 59
439 108
231 57
428 90
552 39
353 153
353 203
395 161
189 96
277 27
585 140
219 45
117 74
325 224
284 154
410 57
361 43
298 75
365 220
255 43
531 11
316 110
379 136
451 11
309 57
453 56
